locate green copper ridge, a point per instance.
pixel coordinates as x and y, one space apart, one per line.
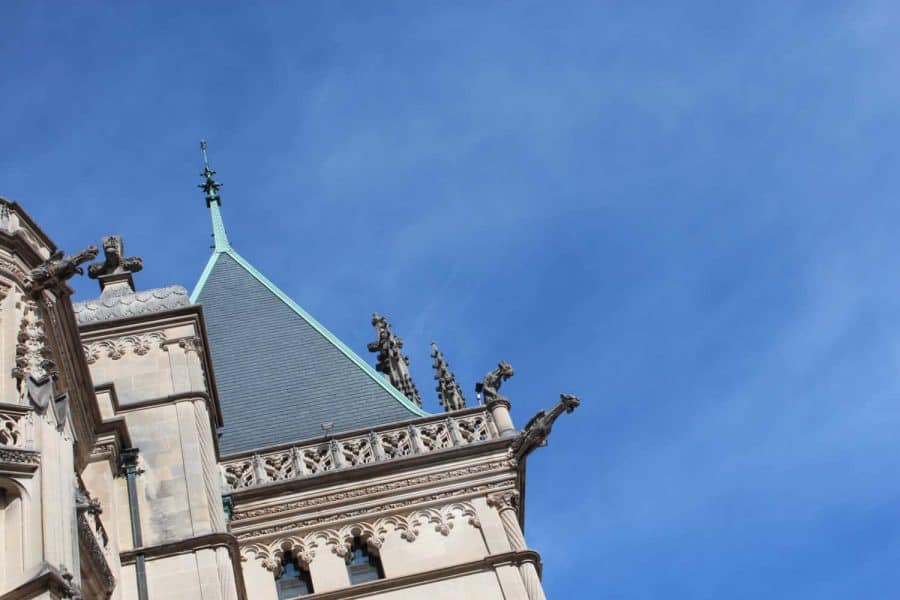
222 246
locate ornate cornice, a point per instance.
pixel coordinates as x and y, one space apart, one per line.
372 531
368 513
19 460
370 490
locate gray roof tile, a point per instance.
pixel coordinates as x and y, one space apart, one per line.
279 378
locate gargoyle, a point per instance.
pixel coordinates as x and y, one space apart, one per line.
537 430
490 386
59 268
114 261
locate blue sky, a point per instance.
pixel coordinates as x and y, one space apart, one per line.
685 215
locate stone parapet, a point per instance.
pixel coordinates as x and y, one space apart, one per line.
356 449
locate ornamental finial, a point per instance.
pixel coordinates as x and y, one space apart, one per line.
449 392
391 361
209 185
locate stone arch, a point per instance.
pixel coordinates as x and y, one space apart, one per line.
13 499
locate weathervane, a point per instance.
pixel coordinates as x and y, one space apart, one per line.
209 185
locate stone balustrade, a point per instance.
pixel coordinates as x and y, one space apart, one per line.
431 434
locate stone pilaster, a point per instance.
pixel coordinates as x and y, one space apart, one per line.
506 503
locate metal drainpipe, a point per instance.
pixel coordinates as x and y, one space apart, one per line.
128 464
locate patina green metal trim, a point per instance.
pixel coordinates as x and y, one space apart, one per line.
406 402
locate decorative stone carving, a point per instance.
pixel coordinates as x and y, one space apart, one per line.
391 361
18 456
449 392
490 386
341 453
114 263
537 430
11 433
370 512
33 355
372 532
507 505
371 490
58 269
120 302
116 348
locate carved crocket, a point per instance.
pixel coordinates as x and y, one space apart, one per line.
59 268
114 261
537 430
391 361
490 386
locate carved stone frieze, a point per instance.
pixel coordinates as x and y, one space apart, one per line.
18 456
372 531
369 512
370 490
139 344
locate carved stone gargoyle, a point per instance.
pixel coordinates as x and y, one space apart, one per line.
490 386
537 430
59 268
114 262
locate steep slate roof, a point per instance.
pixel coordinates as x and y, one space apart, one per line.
280 374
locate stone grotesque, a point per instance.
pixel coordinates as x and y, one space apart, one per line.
537 430
114 262
449 392
490 386
58 268
391 361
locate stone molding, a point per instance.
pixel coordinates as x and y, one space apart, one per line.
140 344
210 541
370 490
371 531
371 513
18 461
491 562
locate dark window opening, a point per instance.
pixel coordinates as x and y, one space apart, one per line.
293 581
363 565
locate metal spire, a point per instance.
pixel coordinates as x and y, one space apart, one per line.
214 202
209 185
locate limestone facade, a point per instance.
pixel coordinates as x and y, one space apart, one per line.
112 483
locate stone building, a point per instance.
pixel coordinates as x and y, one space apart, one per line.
139 460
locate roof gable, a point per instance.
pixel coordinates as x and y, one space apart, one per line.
281 374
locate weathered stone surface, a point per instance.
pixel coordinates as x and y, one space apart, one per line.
121 302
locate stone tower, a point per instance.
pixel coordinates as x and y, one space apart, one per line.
226 445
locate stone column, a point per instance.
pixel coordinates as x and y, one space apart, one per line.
499 408
506 503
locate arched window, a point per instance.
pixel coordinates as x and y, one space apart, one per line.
294 580
362 564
